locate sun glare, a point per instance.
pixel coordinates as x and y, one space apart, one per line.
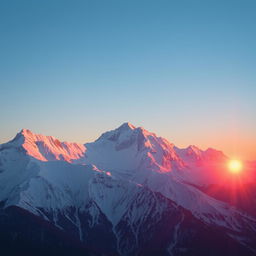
235 166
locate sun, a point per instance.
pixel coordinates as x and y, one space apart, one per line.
235 166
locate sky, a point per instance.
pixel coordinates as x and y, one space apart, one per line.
183 69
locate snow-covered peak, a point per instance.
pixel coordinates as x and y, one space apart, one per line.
194 154
47 148
125 132
194 149
191 153
129 147
213 154
125 129
126 126
26 132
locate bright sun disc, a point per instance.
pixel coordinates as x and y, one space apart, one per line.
235 166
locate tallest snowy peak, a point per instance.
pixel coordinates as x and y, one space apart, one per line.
126 126
125 129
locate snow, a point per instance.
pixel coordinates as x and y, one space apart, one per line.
47 148
38 171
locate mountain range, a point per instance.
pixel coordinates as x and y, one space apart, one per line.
129 192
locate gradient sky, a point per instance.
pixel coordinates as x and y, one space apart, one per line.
183 69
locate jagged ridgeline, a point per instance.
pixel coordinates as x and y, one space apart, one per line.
128 193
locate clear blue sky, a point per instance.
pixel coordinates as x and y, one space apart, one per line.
185 69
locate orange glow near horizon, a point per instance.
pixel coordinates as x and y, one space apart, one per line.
235 166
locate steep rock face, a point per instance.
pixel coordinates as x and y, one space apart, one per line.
128 193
